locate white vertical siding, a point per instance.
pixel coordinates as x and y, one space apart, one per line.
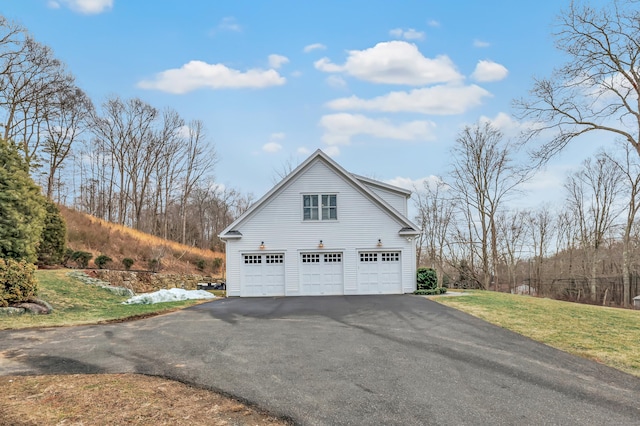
278 222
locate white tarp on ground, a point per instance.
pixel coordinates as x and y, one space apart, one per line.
171 295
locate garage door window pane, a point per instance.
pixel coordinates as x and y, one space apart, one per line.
274 258
368 257
333 258
390 257
252 258
310 258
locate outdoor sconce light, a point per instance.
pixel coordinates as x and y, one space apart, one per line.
379 242
321 245
262 245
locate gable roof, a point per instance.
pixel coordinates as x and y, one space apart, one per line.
382 185
408 228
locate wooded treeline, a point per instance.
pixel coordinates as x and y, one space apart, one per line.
122 160
586 248
474 239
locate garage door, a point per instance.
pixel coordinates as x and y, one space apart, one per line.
321 274
379 272
262 275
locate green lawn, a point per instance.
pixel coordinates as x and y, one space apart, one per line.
607 335
77 303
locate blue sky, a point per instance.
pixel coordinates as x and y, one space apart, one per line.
383 87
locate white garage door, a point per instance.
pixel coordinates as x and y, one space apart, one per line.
321 274
379 272
262 275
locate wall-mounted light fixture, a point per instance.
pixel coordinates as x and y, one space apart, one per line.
262 245
379 242
321 245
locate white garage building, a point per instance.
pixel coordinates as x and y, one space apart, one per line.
323 231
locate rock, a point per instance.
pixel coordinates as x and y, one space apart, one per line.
11 311
32 308
42 303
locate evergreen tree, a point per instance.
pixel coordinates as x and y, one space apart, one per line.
54 236
22 209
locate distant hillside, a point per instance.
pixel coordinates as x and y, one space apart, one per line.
88 233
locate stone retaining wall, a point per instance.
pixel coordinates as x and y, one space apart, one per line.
145 282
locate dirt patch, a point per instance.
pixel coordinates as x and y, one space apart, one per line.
116 399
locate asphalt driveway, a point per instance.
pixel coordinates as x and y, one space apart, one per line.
360 360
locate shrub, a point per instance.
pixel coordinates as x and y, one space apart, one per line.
128 263
200 264
427 279
17 281
154 265
51 250
217 264
81 258
102 261
68 255
22 208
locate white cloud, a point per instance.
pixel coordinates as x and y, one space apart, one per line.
340 128
480 43
336 81
409 34
303 151
331 151
506 124
489 71
394 62
325 65
437 100
413 184
433 23
271 147
229 24
314 46
296 74
277 136
197 74
276 61
86 7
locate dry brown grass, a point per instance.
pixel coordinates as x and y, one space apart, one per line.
117 399
88 233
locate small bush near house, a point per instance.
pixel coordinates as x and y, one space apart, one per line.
17 281
81 258
427 279
128 263
102 261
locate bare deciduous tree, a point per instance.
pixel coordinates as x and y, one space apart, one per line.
629 168
598 89
436 214
592 194
484 175
63 126
199 159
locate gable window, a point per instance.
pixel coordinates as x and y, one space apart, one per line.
310 207
319 207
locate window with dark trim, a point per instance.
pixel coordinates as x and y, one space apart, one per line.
319 207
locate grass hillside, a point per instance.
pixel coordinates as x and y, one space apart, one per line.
96 236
